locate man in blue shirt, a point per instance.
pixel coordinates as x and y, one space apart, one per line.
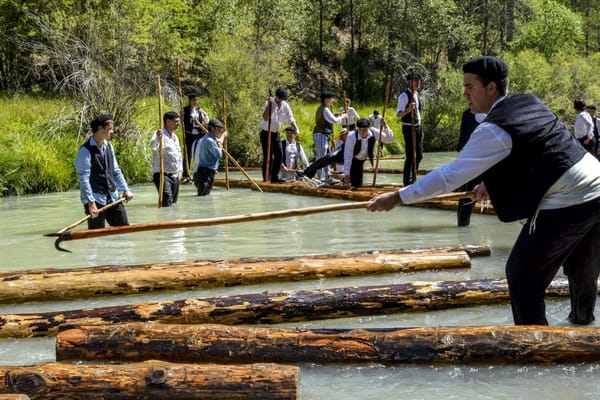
207 154
100 178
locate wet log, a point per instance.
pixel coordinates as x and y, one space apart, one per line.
364 193
154 380
227 344
79 283
277 307
14 396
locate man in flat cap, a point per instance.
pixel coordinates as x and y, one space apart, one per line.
533 169
409 112
207 155
324 120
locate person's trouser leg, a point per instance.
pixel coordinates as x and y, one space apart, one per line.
276 156
356 173
204 179
322 148
560 236
407 177
332 158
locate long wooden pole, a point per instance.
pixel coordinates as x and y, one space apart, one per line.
268 160
161 180
414 136
100 211
186 161
380 142
237 164
233 344
226 151
156 380
152 226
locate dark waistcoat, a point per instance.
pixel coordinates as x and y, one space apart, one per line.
370 146
320 121
543 150
407 119
102 177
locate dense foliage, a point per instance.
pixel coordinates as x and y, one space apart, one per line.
104 56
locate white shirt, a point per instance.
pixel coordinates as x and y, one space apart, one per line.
584 126
279 115
490 144
375 121
387 136
172 163
403 103
352 116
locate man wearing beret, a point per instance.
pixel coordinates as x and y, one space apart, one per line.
207 154
409 112
532 169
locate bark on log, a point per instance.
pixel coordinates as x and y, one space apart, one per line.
277 307
364 193
227 344
78 283
14 396
153 380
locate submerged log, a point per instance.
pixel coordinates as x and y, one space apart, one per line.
277 307
78 283
227 344
153 380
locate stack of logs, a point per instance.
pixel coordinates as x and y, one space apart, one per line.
200 349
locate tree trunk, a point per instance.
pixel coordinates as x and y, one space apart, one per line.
153 380
226 344
277 307
78 283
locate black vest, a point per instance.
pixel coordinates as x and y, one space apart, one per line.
370 146
320 121
102 173
543 150
284 144
407 119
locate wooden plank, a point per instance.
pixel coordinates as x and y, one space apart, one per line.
154 380
227 344
79 283
278 307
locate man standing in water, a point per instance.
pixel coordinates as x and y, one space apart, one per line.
409 112
100 178
532 168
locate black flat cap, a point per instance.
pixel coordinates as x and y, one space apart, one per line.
488 67
363 123
215 123
326 95
281 93
413 75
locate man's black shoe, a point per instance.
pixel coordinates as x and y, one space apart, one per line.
279 181
300 174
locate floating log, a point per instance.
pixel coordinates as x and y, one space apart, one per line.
227 344
154 380
364 193
277 307
78 283
14 396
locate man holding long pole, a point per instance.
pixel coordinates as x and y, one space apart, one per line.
172 171
409 112
276 112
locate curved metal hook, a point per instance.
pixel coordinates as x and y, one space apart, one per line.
57 245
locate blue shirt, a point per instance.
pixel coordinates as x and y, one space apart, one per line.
208 153
83 165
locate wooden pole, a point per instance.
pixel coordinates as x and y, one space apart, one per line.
234 219
414 137
225 142
154 380
186 161
268 160
380 142
115 280
278 307
237 164
227 344
100 211
161 185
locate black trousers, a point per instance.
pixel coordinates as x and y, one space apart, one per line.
335 157
276 155
204 179
465 206
569 237
115 216
170 189
409 176
189 143
356 172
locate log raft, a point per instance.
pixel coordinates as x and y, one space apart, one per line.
14 396
364 193
153 380
80 283
227 344
278 307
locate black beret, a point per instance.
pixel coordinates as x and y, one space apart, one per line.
281 93
215 123
100 120
413 75
290 129
363 123
326 95
487 67
591 107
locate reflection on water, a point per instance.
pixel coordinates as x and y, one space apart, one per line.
22 246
